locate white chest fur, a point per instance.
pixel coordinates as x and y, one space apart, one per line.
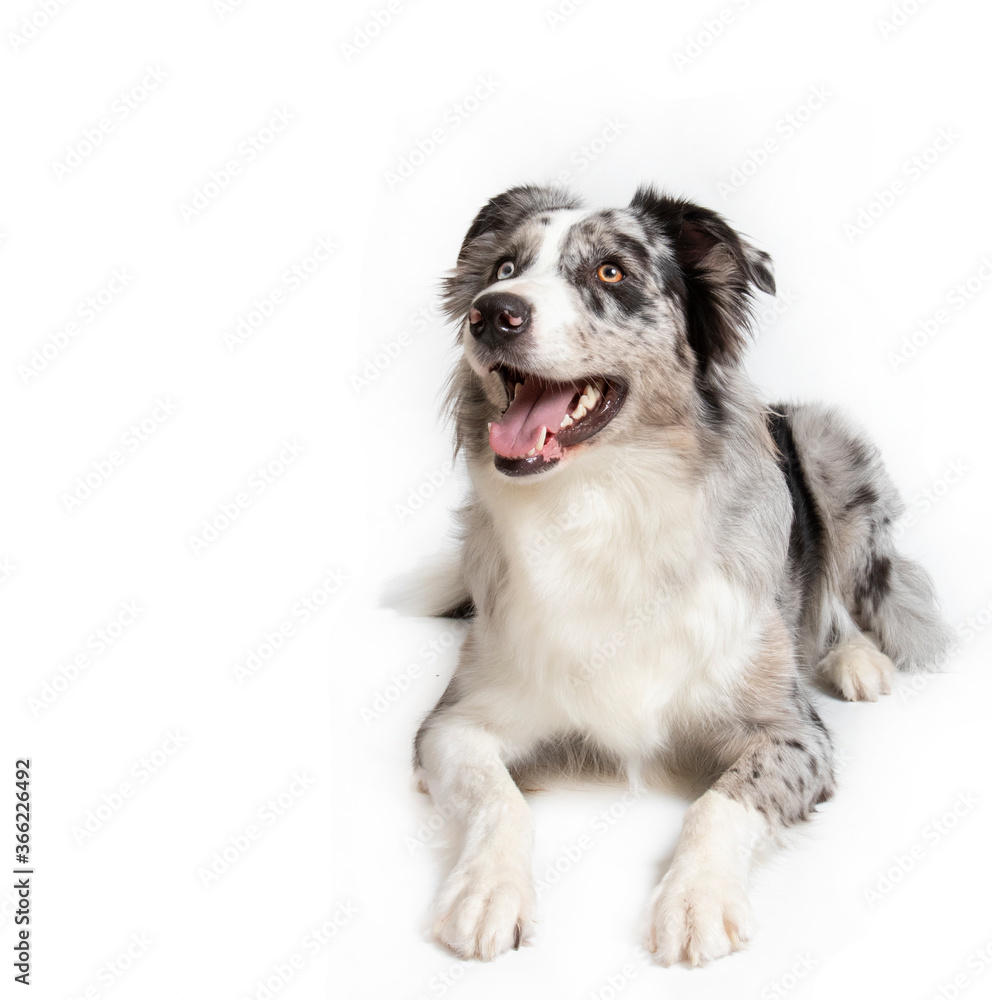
614 618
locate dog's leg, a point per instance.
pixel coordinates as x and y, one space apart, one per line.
487 902
700 911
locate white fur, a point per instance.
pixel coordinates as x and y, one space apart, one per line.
858 669
486 904
700 911
635 567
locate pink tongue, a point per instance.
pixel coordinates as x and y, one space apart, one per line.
538 404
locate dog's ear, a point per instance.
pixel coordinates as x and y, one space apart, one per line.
720 271
496 220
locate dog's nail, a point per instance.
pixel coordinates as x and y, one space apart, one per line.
516 938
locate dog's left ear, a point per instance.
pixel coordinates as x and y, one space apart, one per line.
720 271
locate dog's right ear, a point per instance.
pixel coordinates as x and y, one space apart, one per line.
496 219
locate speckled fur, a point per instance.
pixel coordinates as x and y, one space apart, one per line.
668 590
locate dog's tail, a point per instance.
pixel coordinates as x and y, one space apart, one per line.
895 601
435 590
855 577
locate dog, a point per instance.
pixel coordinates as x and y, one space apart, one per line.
656 567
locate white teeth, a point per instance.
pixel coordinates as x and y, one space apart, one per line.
590 397
567 421
587 402
517 389
539 446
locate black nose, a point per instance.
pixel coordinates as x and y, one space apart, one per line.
498 318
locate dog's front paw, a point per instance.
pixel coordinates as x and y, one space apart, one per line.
697 917
485 908
859 670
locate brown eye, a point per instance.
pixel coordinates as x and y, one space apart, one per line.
610 273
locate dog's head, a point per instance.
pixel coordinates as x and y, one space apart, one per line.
581 326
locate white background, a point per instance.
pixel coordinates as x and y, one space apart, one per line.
344 843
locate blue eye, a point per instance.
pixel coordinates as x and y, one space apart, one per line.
505 269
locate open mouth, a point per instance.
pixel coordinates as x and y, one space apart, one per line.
544 418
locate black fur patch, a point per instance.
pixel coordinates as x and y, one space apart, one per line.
464 610
719 273
873 587
806 537
864 496
713 400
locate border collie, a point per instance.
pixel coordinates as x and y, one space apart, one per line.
657 567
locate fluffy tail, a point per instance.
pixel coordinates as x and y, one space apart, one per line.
435 590
895 601
859 579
